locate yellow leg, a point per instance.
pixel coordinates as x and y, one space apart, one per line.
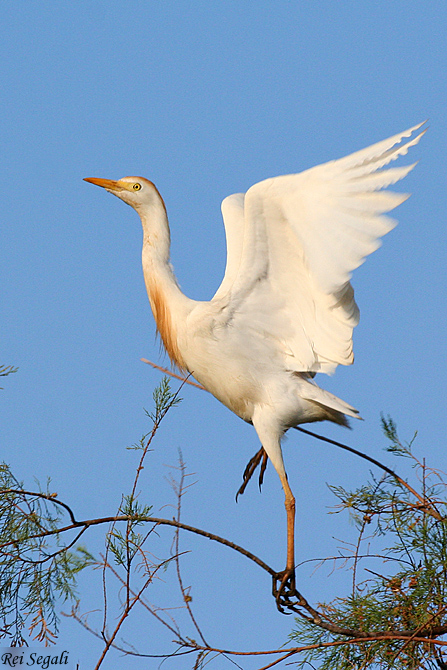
290 510
286 579
270 433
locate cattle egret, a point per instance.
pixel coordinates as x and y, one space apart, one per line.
285 309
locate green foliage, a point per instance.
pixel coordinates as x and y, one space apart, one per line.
39 560
164 399
125 545
37 567
6 370
395 447
399 570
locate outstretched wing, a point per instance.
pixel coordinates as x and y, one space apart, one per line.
292 244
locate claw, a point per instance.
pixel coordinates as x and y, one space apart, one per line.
285 591
250 469
265 459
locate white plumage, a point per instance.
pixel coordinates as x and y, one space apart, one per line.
285 309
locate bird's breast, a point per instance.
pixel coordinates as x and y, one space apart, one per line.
235 391
229 369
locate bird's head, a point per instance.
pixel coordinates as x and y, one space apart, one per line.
137 192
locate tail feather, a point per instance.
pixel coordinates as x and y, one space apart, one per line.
336 406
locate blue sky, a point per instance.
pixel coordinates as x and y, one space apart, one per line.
206 99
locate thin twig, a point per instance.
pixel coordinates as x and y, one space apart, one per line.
127 609
425 504
173 374
52 497
185 595
359 541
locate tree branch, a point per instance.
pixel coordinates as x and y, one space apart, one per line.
301 603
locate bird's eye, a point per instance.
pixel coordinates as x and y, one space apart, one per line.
136 187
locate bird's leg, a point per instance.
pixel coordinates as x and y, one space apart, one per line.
286 588
250 469
270 432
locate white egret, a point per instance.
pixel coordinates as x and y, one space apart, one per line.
285 309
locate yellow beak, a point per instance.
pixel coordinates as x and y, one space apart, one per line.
105 183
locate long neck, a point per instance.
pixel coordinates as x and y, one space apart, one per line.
169 305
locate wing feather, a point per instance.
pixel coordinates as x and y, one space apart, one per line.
293 242
233 216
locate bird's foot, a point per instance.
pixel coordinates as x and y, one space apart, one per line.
250 469
284 590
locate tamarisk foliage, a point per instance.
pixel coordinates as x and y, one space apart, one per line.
6 370
38 566
398 602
